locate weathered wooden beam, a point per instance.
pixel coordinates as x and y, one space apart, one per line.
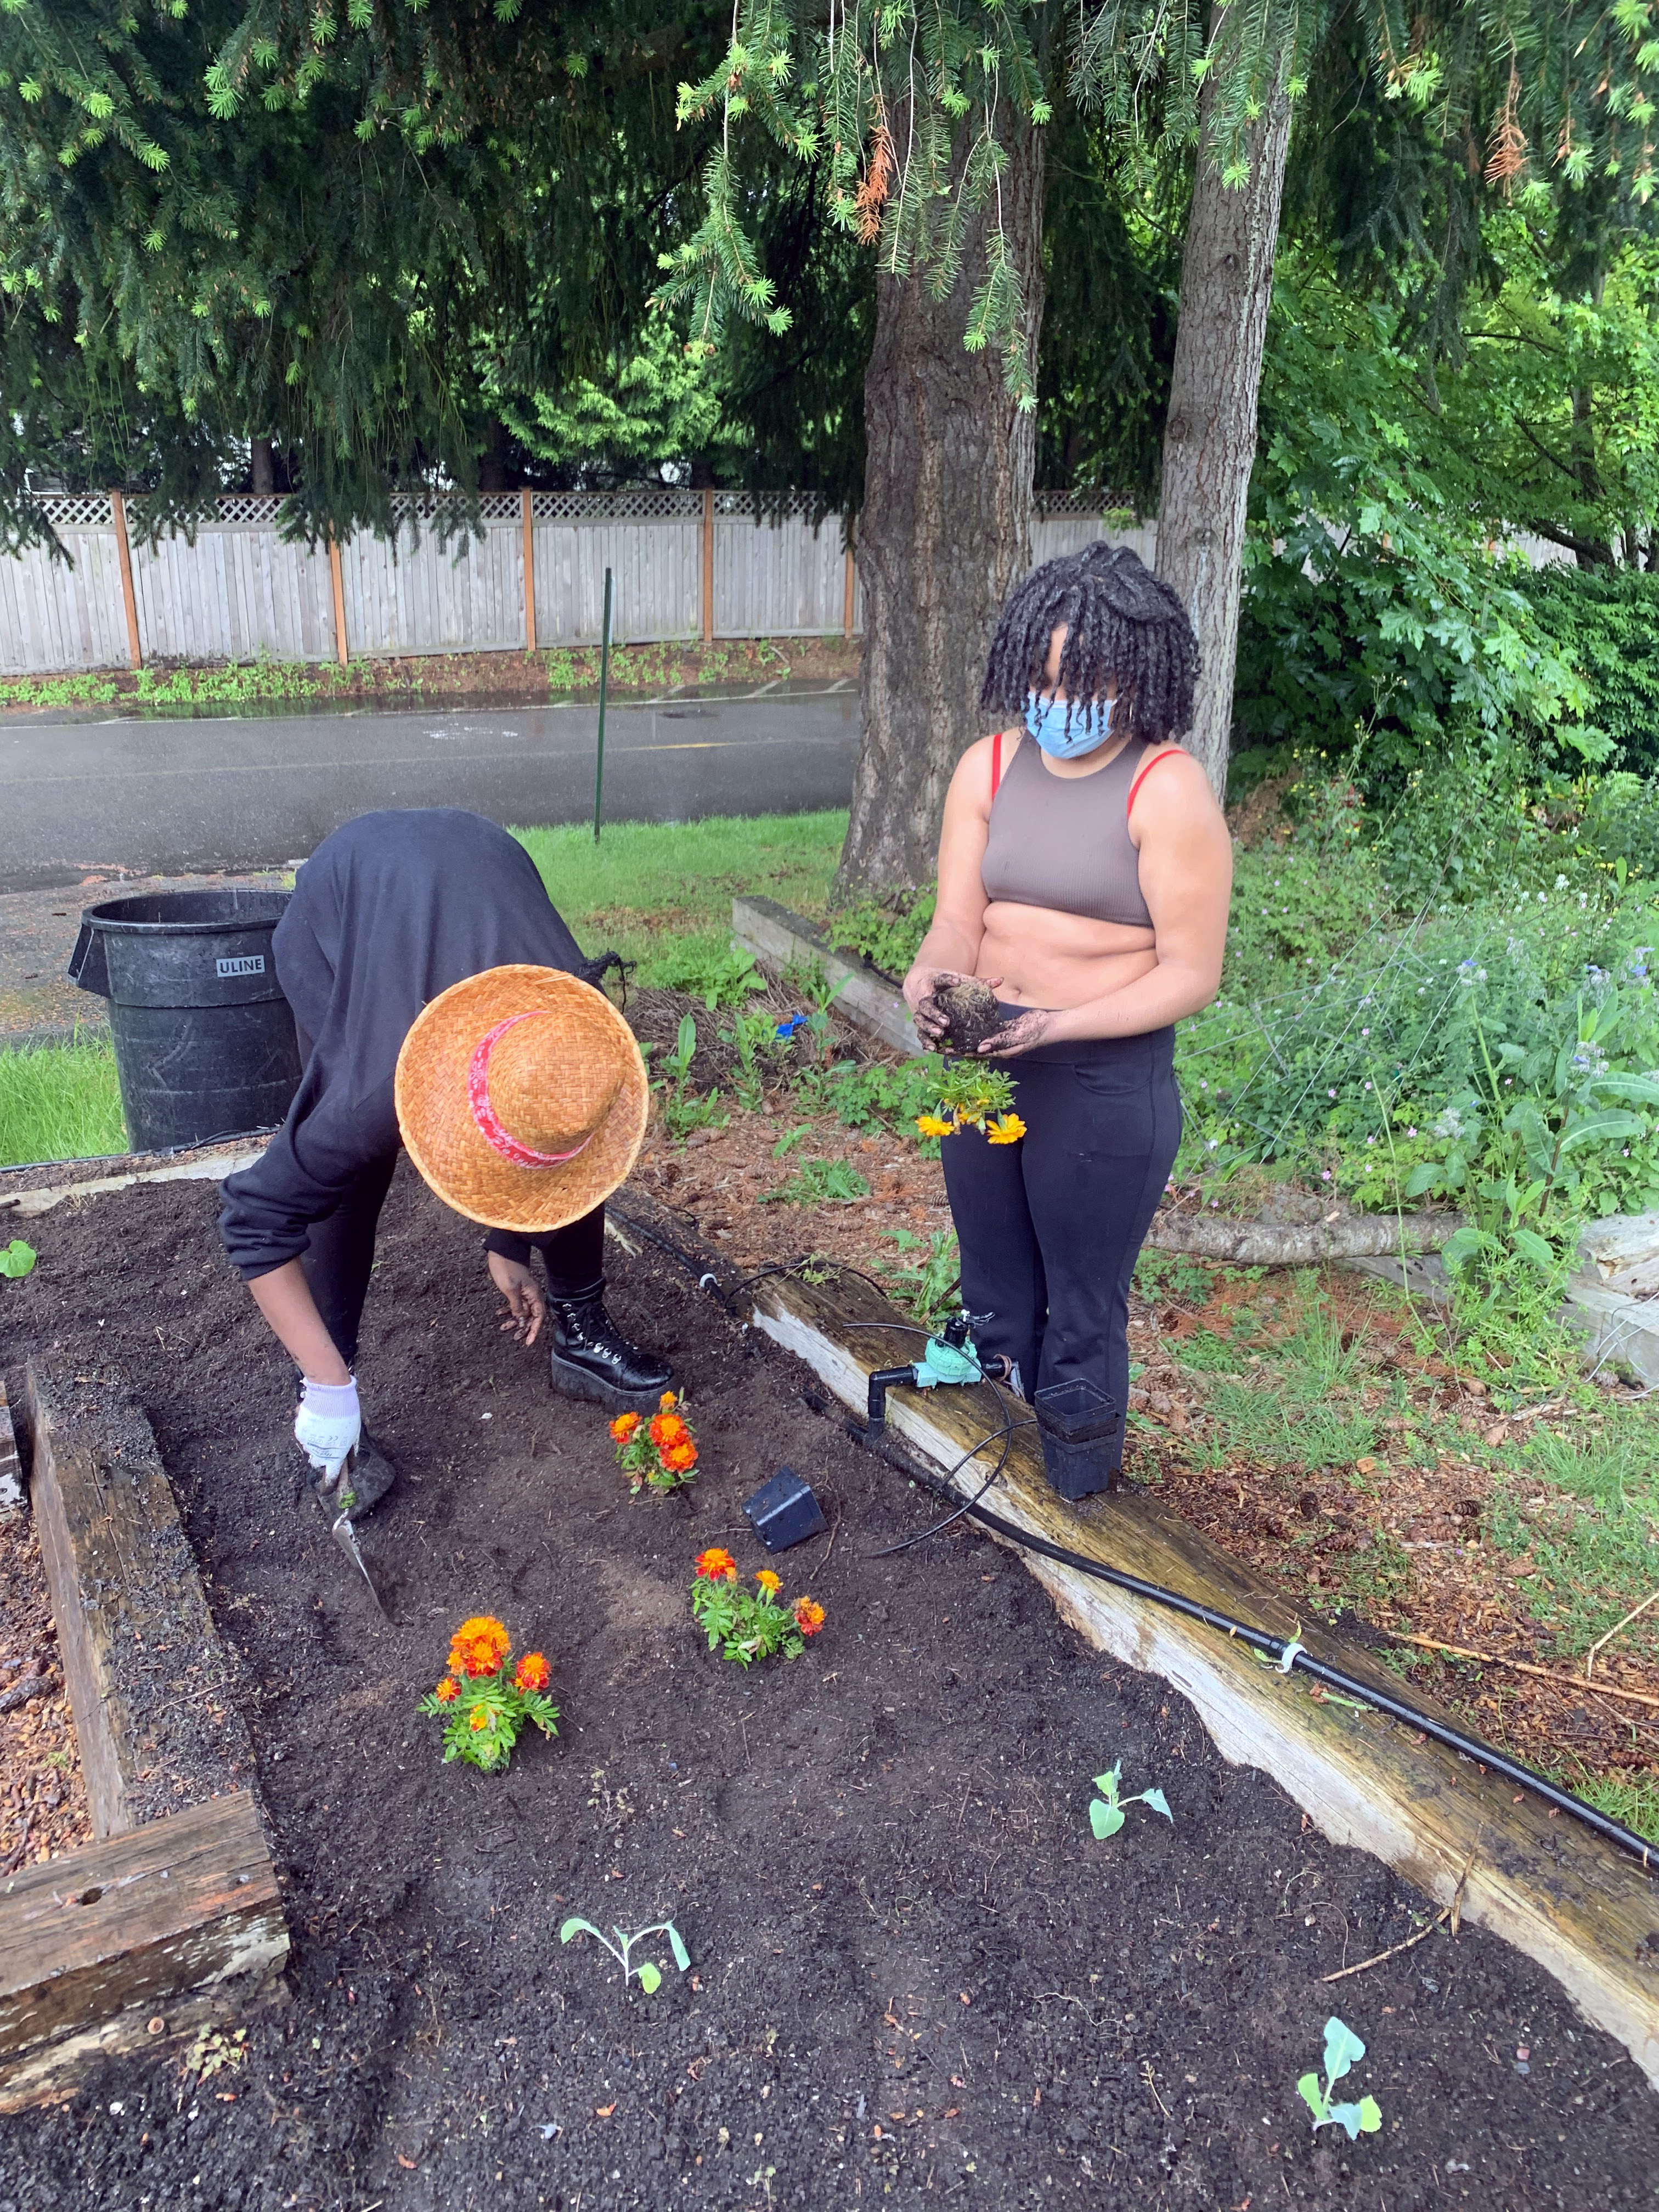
98 1943
777 940
211 1164
1558 1893
148 1681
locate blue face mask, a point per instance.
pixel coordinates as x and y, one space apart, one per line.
1045 718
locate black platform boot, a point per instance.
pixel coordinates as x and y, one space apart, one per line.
591 1360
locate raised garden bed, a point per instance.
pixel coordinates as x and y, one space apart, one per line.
43 1798
167 1919
912 1969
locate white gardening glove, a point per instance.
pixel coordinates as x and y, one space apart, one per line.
328 1425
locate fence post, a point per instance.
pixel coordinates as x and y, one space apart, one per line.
709 565
604 685
847 586
340 651
118 507
529 573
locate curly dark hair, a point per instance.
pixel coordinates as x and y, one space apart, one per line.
1123 626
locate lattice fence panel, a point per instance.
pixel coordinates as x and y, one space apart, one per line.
77 510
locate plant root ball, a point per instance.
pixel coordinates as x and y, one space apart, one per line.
972 1012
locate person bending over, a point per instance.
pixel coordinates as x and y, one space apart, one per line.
1085 872
440 1002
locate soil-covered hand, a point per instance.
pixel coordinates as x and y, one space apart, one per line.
1019 1034
921 987
526 1308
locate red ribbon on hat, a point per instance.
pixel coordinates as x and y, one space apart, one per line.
489 1121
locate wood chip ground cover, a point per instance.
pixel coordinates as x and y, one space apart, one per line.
914 1974
43 1799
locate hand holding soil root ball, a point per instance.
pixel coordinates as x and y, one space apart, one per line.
442 1006
1085 872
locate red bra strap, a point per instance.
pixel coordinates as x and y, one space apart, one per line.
1145 769
996 762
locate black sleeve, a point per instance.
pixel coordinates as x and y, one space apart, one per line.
305 1170
509 1244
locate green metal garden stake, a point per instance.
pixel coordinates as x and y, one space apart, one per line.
604 683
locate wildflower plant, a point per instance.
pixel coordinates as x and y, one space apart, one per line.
974 1097
660 1454
1108 1811
484 1701
744 1625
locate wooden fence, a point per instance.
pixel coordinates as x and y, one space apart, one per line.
687 565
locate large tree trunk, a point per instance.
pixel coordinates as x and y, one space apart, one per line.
1209 438
944 534
261 466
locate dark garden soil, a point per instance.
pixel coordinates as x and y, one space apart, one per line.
915 1977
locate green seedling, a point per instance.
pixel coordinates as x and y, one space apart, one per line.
788 1143
1108 1811
681 1113
1343 2049
820 1183
17 1259
649 1973
215 2052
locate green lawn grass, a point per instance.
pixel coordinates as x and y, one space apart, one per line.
661 894
60 1102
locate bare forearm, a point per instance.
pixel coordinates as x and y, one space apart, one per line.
950 944
1166 993
283 1296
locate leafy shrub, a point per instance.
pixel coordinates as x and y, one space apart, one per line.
1604 624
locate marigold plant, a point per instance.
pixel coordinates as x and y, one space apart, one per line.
972 1097
658 1454
749 1625
484 1703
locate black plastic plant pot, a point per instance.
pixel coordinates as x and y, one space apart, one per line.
1082 1433
784 1512
205 1041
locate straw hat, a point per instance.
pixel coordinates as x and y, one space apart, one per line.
522 1097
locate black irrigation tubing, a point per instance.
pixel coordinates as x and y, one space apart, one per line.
1288 1655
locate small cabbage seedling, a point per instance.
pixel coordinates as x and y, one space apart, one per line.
650 1975
1343 2049
1106 1813
16 1259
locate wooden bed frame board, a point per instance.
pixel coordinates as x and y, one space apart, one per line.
1581 1908
172 1913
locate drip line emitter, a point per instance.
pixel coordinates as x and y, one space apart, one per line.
1080 1429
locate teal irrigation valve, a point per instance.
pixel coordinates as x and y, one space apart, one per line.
950 1357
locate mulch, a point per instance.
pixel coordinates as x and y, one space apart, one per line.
914 1975
43 1797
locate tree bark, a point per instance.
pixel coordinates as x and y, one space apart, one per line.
944 534
262 465
1209 438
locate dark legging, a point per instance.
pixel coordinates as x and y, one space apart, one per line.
342 1253
1050 1227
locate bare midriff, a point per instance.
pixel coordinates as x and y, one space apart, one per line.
1045 958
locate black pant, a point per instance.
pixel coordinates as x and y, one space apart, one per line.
342 1255
1050 1227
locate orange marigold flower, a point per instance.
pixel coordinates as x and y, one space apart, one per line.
809 1616
479 1646
667 1402
447 1691
769 1583
480 1717
716 1566
531 1672
934 1125
624 1426
667 1429
1007 1129
680 1458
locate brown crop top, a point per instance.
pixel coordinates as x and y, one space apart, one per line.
1063 841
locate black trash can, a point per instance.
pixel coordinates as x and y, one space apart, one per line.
204 1042
1082 1433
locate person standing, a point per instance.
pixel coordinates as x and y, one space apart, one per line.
1084 874
443 1006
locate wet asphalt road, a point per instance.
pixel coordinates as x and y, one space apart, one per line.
80 792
